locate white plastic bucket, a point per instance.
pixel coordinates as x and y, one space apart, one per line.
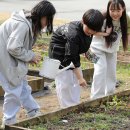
50 68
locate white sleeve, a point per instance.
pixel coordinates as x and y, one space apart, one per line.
15 45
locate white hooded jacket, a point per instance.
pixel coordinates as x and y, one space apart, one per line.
16 41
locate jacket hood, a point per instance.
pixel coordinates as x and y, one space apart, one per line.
20 16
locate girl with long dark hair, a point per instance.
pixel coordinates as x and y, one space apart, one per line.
17 36
105 47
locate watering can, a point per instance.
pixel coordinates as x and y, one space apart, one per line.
50 68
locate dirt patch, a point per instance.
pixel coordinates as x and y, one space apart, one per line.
48 103
112 115
40 47
124 56
4 16
58 22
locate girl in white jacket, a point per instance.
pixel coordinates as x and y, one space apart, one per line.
17 36
104 78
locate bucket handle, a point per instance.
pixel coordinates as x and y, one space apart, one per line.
64 69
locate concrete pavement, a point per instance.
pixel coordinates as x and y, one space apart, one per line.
66 9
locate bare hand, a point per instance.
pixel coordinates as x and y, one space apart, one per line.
36 59
108 30
82 82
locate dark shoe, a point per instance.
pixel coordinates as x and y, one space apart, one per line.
46 88
118 83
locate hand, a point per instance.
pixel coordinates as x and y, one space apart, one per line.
108 30
82 82
36 59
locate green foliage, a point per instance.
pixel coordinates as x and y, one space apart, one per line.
116 104
43 39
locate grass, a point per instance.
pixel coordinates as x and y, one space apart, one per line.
114 115
121 48
123 74
43 39
38 66
84 63
41 47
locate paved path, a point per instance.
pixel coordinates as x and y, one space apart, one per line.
66 9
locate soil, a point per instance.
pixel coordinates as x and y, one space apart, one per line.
112 115
49 101
40 47
122 56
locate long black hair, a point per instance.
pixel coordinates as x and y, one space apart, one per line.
42 9
93 19
115 4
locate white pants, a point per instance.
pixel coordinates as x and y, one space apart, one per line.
104 78
67 88
14 98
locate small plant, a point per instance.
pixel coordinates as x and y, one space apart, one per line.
116 103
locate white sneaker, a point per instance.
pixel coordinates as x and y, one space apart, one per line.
10 122
2 125
38 113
